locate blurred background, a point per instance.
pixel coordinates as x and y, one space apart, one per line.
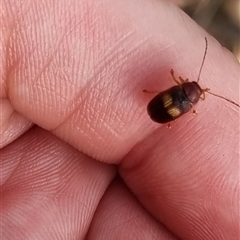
221 18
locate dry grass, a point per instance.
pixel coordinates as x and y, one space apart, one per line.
221 18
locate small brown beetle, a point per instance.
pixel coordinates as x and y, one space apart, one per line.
172 103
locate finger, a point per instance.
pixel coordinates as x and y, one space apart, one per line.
190 187
13 124
107 119
188 177
120 216
48 189
83 80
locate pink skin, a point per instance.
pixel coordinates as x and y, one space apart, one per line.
77 69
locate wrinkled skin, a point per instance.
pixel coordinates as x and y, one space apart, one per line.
80 158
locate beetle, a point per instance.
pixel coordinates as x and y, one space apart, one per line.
172 103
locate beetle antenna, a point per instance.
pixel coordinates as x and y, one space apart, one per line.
204 56
226 99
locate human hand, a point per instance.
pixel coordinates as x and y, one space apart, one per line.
77 69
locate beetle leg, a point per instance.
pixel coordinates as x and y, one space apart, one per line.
146 91
169 126
183 80
206 89
194 112
202 97
173 78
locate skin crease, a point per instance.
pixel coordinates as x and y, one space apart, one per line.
77 69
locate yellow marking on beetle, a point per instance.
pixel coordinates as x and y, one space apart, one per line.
167 100
174 112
